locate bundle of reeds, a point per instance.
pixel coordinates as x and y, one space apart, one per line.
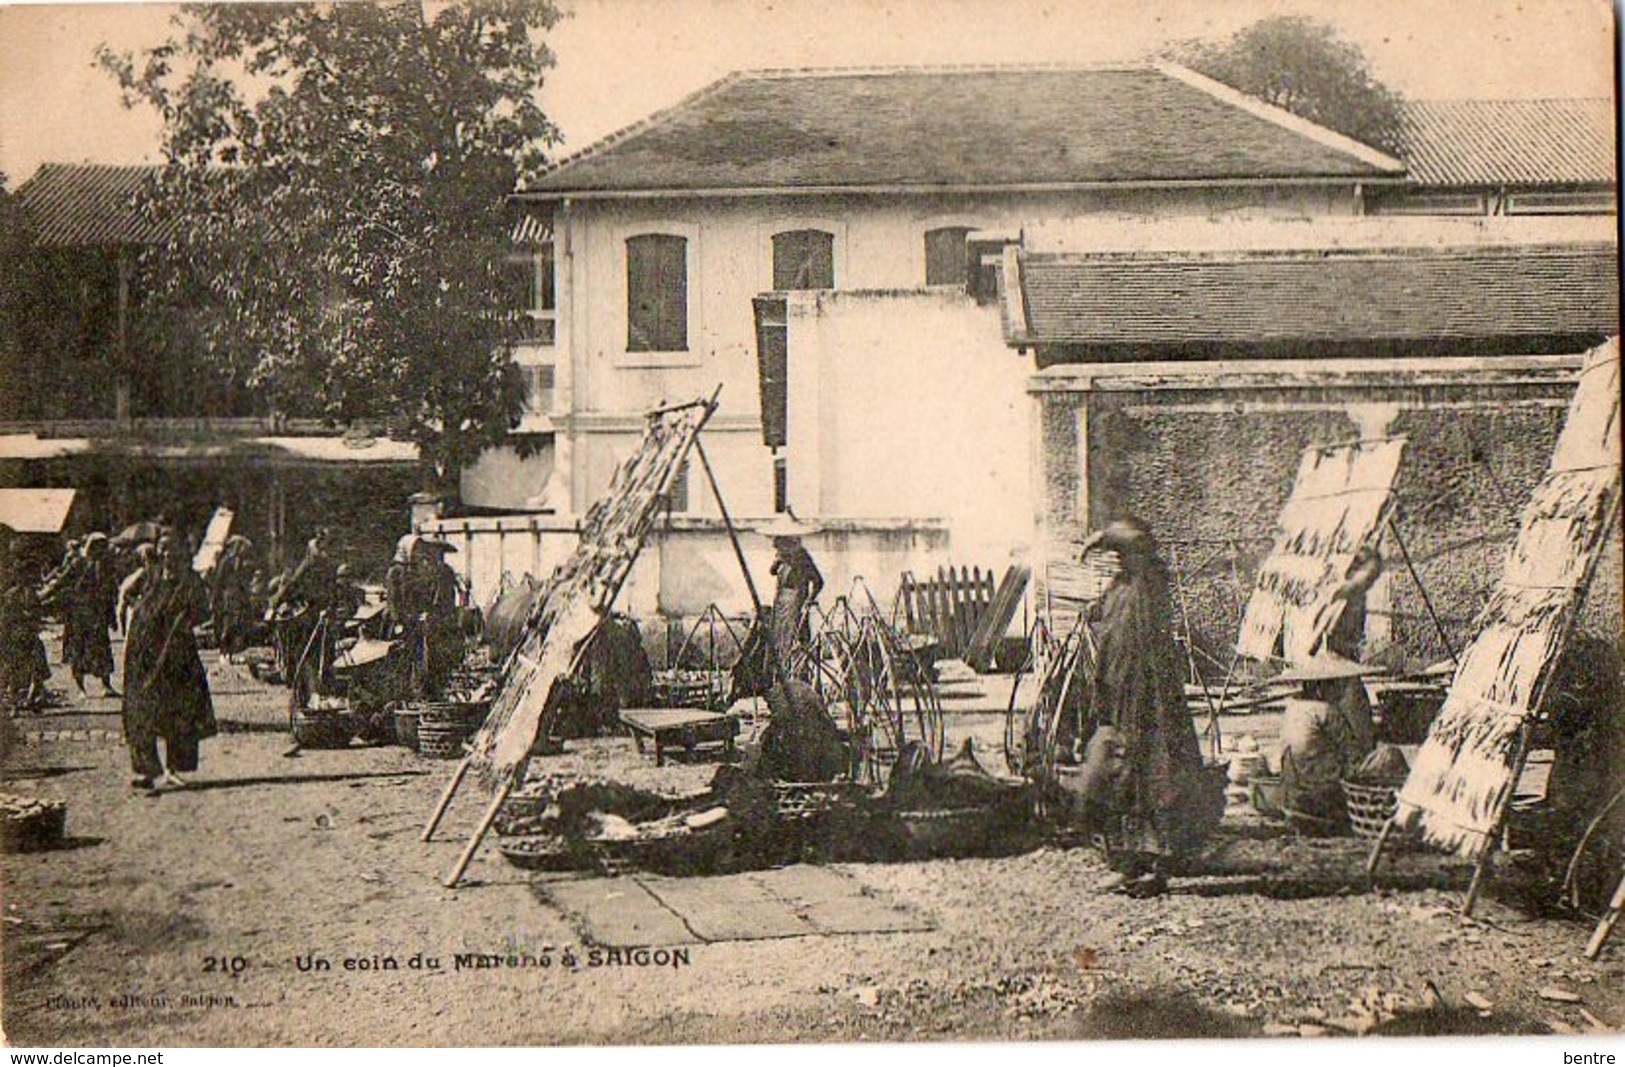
582 589
1340 500
1464 774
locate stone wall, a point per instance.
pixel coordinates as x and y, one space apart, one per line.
1206 456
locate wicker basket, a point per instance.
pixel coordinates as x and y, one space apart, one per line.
39 828
676 851
1371 803
326 729
543 853
811 800
442 729
406 726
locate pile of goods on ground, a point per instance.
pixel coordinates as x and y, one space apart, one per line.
31 825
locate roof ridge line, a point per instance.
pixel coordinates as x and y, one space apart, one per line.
1013 67
1303 127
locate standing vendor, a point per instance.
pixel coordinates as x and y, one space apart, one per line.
85 591
166 692
1159 807
431 604
799 583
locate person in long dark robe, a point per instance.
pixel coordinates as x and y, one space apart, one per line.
87 591
166 692
1159 803
229 601
24 670
433 623
799 583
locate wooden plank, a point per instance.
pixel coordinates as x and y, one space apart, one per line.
995 622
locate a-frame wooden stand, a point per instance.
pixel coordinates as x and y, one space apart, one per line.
513 779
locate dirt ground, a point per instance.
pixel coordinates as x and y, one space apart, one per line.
190 919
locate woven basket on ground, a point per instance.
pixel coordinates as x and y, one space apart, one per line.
326 729
675 850
31 825
1371 803
441 731
406 726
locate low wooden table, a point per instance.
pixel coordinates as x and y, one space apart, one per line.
685 728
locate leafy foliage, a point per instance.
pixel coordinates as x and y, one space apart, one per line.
1303 66
334 194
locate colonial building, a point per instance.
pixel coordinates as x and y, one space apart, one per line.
824 245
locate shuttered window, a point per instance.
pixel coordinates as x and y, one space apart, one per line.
945 256
656 293
803 259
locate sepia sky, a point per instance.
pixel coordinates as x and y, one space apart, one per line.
621 59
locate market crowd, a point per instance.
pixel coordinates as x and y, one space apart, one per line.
144 583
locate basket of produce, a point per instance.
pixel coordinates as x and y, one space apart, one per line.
321 729
31 825
543 852
1371 803
677 845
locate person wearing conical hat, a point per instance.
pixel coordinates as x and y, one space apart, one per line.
798 584
1159 807
432 613
1328 730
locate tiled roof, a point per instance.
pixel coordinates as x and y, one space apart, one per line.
1285 298
1454 143
87 204
970 127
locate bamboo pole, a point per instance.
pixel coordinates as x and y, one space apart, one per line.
1605 925
445 799
727 521
490 817
1427 601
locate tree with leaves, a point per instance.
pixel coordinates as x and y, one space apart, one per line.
334 194
1304 66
